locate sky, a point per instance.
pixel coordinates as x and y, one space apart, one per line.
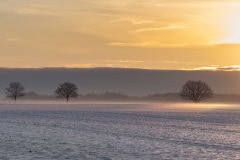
148 34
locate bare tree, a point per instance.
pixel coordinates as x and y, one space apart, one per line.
66 90
15 90
196 91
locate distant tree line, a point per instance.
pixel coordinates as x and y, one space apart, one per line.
120 97
195 91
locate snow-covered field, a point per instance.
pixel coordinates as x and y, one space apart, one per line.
117 132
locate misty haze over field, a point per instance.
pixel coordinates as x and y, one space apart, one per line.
137 82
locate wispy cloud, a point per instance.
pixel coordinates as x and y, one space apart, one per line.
149 44
127 44
229 68
129 61
217 68
157 29
133 21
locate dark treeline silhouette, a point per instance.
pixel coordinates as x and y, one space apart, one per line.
38 97
120 97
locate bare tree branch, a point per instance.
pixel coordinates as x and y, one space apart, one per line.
196 91
66 90
15 90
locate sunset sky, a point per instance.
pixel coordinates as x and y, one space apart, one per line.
150 34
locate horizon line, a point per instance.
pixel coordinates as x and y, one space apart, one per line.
213 69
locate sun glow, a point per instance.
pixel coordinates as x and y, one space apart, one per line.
231 24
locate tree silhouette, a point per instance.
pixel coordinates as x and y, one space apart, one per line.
196 91
66 90
15 90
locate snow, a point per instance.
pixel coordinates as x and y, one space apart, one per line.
88 131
